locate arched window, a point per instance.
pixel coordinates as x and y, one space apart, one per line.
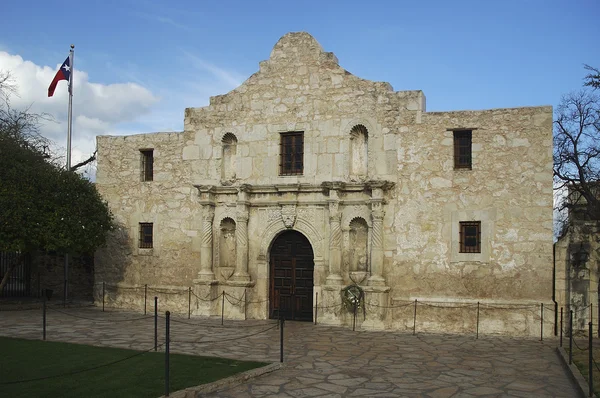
358 244
227 253
229 143
358 151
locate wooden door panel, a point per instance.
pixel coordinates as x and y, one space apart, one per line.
291 270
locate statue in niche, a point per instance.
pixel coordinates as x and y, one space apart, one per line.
358 245
227 254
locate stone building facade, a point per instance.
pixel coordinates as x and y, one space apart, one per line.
577 262
307 179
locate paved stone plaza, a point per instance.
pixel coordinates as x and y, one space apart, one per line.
325 361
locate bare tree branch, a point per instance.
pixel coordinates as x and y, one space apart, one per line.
87 161
593 78
577 153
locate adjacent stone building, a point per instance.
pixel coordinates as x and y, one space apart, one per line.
307 179
577 261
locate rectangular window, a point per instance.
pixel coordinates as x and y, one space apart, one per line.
462 149
146 235
470 236
147 164
291 157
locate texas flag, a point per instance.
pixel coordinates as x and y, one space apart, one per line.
64 73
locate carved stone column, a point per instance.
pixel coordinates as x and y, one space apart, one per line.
206 253
241 237
335 240
376 278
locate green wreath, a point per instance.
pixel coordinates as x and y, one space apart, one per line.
353 297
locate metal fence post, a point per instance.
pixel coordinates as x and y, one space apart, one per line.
155 323
354 318
245 305
103 292
222 307
477 335
189 302
44 320
542 323
561 325
145 296
570 337
590 364
415 319
281 322
591 313
316 306
556 318
167 337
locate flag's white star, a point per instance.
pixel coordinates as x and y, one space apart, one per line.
66 68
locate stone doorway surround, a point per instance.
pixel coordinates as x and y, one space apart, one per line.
321 212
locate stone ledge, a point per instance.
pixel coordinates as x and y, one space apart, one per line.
576 375
228 382
237 283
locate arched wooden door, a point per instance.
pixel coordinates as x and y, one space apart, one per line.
291 277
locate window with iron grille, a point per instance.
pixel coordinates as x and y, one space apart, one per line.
146 235
147 164
462 149
470 236
291 156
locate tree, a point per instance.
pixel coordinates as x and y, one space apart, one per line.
593 78
43 207
577 149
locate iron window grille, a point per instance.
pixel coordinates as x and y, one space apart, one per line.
147 164
291 153
470 236
463 149
146 235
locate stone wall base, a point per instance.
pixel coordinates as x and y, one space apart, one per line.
380 312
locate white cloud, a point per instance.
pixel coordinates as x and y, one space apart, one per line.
97 108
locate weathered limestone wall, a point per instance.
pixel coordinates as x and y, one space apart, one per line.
169 202
577 256
217 200
509 189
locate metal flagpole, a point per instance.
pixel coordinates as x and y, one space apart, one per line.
69 129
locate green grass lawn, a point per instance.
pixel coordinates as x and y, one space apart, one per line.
140 376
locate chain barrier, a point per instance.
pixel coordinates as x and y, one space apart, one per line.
258 301
162 291
238 300
466 305
577 345
390 306
223 340
206 298
79 371
595 364
576 310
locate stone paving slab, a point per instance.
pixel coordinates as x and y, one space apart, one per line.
323 361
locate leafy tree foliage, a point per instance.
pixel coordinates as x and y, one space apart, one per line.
43 207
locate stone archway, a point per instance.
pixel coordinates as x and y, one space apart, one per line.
291 273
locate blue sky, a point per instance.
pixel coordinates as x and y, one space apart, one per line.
139 63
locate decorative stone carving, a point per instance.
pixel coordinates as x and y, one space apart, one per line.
307 213
288 215
273 214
